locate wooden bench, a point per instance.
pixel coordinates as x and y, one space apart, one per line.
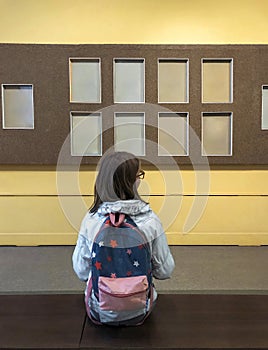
177 322
41 321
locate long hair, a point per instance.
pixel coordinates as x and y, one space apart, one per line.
117 172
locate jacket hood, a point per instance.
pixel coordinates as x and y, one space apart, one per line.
129 207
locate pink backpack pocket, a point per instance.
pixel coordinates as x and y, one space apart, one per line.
123 294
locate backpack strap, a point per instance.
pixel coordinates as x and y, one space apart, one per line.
87 296
150 306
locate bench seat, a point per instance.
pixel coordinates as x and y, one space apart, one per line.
196 321
41 321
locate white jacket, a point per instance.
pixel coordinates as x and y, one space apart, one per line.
146 220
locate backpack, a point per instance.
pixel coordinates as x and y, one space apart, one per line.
121 274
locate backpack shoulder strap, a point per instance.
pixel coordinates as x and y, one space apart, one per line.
87 297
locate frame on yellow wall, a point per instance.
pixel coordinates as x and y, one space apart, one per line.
85 80
17 106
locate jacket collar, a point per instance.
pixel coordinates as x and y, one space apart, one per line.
129 207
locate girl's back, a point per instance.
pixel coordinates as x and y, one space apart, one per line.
116 192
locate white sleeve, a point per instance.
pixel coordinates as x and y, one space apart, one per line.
82 254
162 260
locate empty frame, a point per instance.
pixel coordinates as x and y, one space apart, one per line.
129 132
217 80
173 81
17 106
86 134
129 81
217 134
173 134
264 120
85 80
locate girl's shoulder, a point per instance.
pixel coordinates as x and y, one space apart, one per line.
92 223
93 218
149 223
148 216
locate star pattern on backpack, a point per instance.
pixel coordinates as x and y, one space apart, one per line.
136 263
113 243
98 265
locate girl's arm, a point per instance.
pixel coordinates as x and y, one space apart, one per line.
82 255
162 259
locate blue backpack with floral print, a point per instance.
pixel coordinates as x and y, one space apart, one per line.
121 274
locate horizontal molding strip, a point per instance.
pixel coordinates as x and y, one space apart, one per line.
144 194
217 182
173 238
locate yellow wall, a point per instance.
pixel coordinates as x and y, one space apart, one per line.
237 205
139 21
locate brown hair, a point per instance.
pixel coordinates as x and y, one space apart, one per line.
117 172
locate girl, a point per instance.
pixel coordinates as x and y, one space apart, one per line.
115 191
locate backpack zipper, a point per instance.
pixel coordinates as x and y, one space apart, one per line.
120 295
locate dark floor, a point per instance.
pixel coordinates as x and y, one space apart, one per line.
199 269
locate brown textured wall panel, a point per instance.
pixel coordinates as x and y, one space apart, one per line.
47 68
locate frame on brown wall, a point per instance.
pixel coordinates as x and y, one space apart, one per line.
46 68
